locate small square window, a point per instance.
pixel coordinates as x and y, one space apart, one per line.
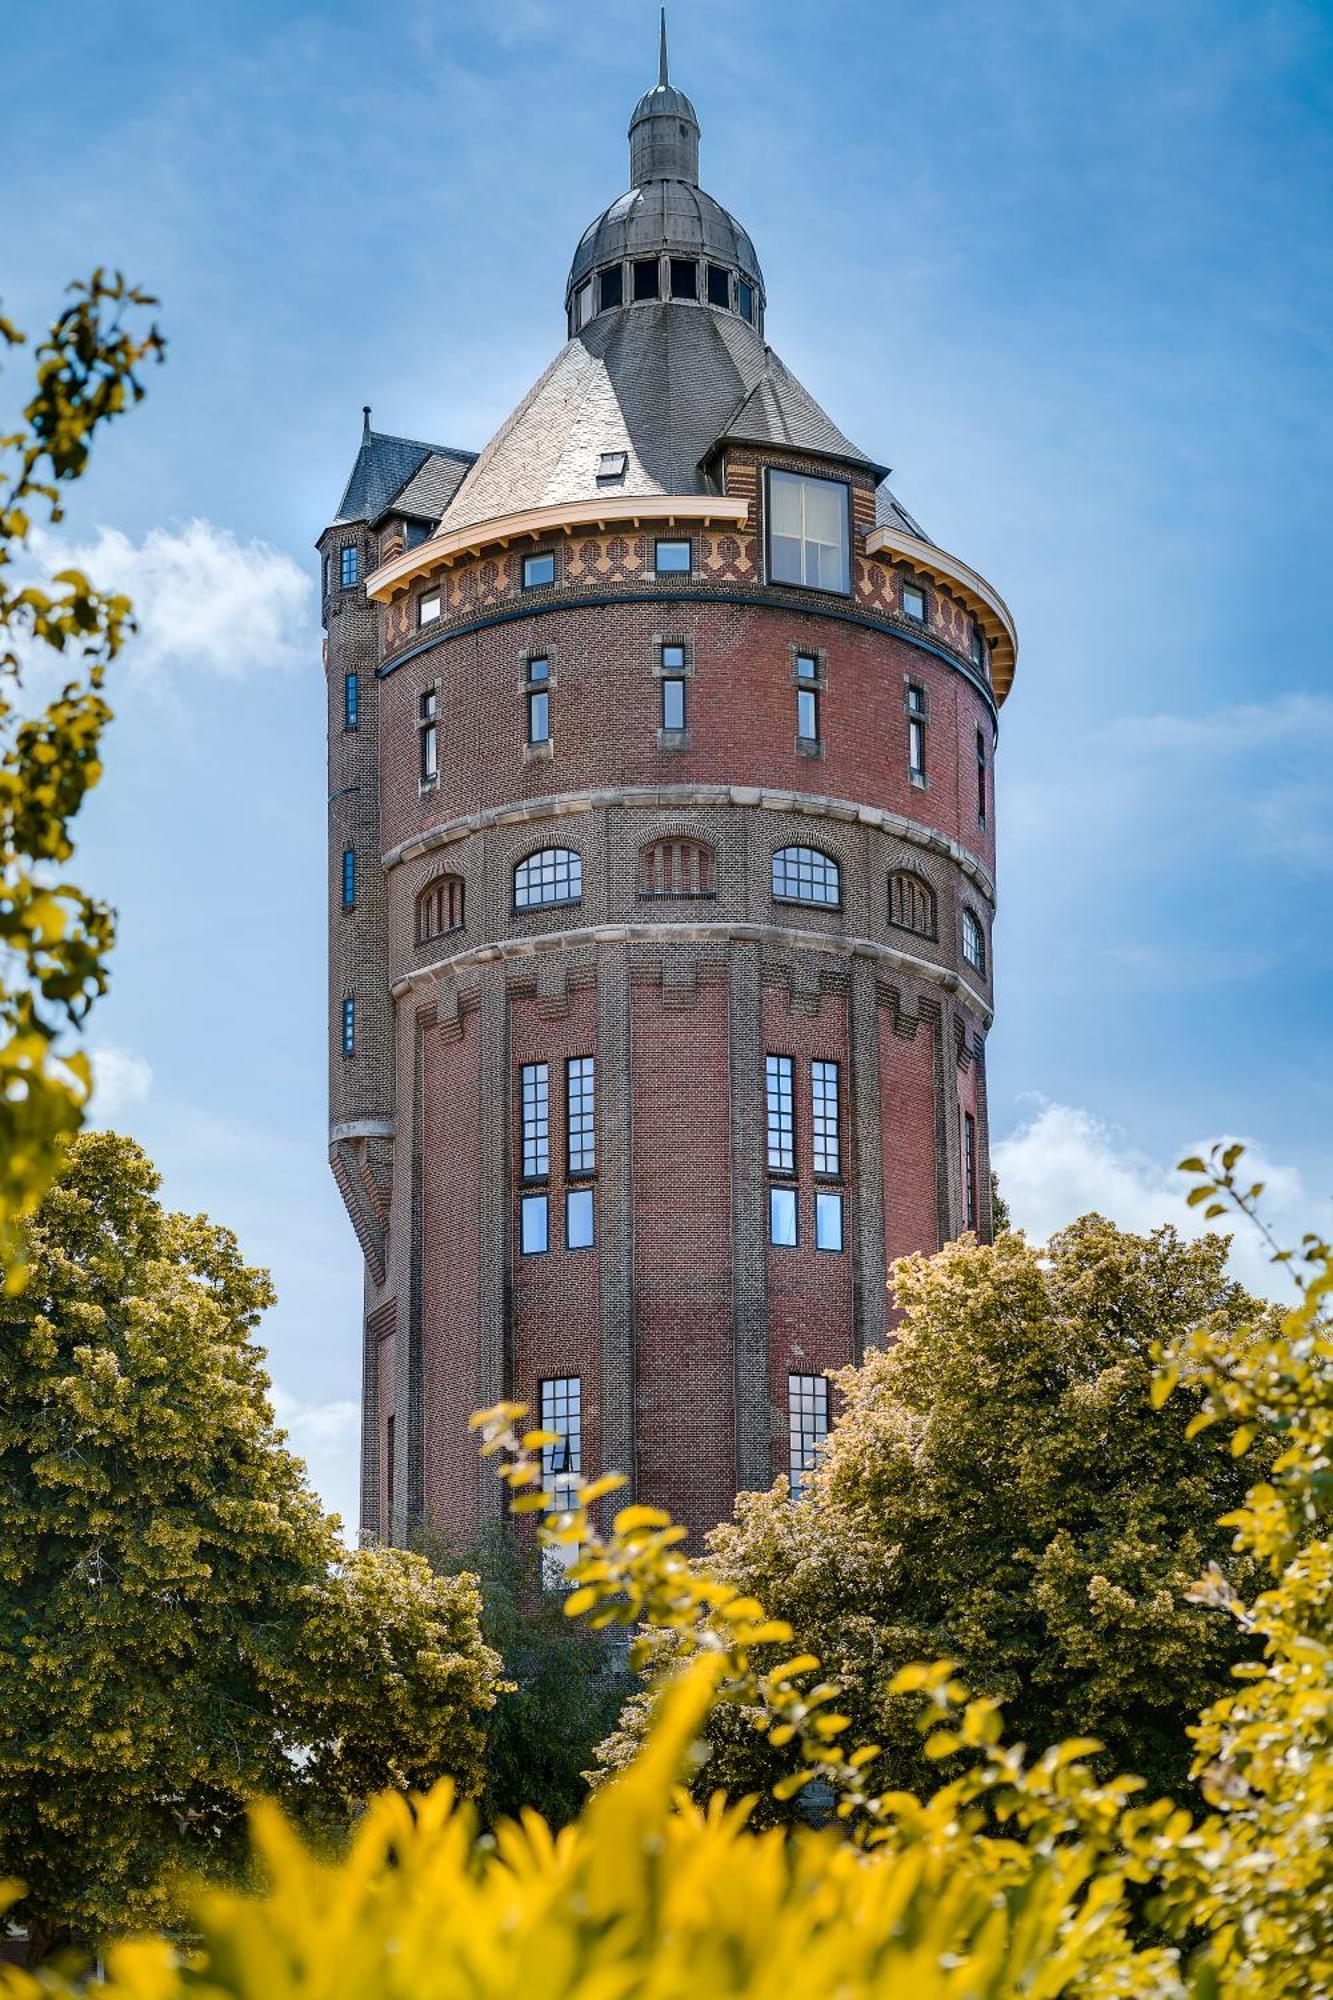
579 1225
534 1226
646 277
914 603
719 285
538 570
611 465
539 672
782 1217
673 659
611 286
684 278
673 559
745 300
428 609
807 667
673 704
828 1222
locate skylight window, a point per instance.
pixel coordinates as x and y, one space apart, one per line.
612 465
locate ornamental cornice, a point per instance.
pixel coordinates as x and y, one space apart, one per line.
982 599
680 797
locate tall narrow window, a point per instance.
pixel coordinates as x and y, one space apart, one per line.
918 715
981 777
974 942
539 701
970 1169
535 1080
389 1469
349 878
719 285
807 1424
745 300
351 701
807 715
808 531
349 566
562 1462
828 1219
349 1026
581 1115
324 575
782 1217
781 1115
647 276
824 1123
580 1228
673 704
428 736
980 650
534 1224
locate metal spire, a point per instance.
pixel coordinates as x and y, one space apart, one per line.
662 56
365 420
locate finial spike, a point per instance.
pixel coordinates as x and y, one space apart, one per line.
662 57
365 420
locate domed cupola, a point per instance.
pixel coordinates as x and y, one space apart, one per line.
665 239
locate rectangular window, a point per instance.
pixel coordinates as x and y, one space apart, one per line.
583 304
828 1222
349 1026
673 659
719 285
612 286
745 300
429 736
917 717
807 715
807 667
539 716
646 278
684 278
388 1470
351 701
535 1079
980 659
808 531
534 1225
914 604
673 559
561 1404
579 1228
538 570
673 704
970 1169
348 567
824 1118
611 467
807 1424
782 1217
428 609
581 1115
781 1115
349 878
981 777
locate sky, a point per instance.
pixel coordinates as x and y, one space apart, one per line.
1067 267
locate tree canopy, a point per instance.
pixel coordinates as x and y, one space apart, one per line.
182 1624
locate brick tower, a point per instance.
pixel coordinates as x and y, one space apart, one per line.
661 877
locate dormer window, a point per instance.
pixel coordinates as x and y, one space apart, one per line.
611 466
611 287
719 285
646 278
809 531
684 278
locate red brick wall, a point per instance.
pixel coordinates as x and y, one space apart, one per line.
907 1095
450 1272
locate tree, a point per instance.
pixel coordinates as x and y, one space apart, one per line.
561 1689
999 1492
182 1626
53 938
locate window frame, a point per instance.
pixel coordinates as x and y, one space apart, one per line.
351 700
428 736
677 683
783 583
572 856
780 1114
349 559
801 1462
580 1117
661 542
538 700
349 878
982 761
806 902
969 1138
534 1203
829 1202
918 590
972 928
425 616
581 1199
534 1122
784 1196
542 582
826 1125
348 1025
918 726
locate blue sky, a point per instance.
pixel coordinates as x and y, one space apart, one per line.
1065 267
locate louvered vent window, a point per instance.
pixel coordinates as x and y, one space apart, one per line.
911 904
676 868
440 908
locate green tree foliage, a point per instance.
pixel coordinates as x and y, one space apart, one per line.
53 938
561 1688
998 1491
180 1624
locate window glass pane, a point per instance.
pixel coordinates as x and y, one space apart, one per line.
803 875
807 667
807 715
539 717
349 877
824 1126
555 875
828 1222
916 747
349 1027
673 704
645 278
745 300
580 1086
533 1230
535 1085
808 531
684 278
673 656
349 567
673 558
351 701
579 1219
914 603
807 1421
583 305
429 609
612 282
781 1115
719 285
974 944
562 1411
782 1217
538 570
539 670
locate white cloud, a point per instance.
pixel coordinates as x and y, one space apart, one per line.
121 1082
1064 1162
204 600
328 1437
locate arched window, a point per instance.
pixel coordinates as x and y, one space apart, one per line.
440 908
551 875
911 903
974 942
676 868
804 875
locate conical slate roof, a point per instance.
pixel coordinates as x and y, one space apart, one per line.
386 465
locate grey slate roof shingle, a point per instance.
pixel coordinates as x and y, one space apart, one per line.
890 513
386 465
664 383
